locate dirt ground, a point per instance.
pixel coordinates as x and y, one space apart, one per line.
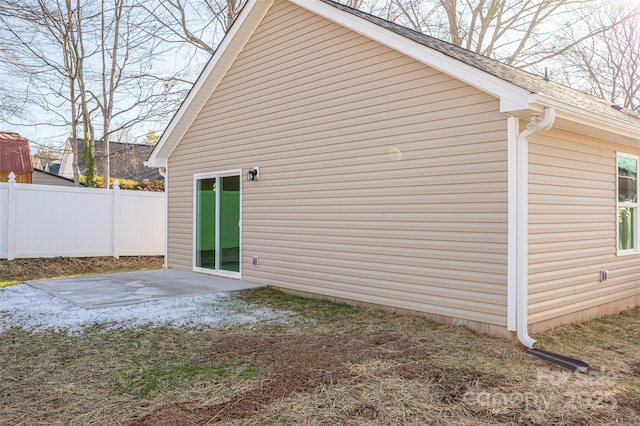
356 376
296 364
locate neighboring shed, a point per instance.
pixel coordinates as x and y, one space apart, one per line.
357 160
15 157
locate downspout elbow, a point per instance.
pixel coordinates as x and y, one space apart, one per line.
547 120
522 323
533 127
524 338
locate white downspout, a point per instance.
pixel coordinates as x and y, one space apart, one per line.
522 263
164 174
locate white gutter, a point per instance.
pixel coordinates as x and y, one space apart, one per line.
522 212
586 117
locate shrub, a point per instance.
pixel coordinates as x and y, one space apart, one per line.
143 185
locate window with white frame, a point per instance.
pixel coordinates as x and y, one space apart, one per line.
627 203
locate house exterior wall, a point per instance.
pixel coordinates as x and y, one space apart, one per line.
381 180
572 231
66 163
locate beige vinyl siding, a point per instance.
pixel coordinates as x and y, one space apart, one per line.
572 230
381 180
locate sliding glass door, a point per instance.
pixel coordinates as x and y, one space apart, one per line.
217 223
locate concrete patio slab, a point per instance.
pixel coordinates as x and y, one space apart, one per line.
126 288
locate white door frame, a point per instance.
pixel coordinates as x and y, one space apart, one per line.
217 176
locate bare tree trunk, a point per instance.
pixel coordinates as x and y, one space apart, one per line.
106 154
74 133
75 19
231 13
451 11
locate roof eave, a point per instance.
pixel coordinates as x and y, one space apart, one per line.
156 162
224 56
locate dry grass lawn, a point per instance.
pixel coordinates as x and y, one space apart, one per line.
20 270
336 365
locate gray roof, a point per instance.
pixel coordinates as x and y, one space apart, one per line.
55 175
127 160
531 82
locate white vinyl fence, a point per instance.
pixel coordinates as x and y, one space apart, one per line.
51 221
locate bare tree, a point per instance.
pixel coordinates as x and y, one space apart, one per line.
48 50
608 65
76 55
198 23
10 102
518 33
586 44
110 77
129 81
381 8
90 64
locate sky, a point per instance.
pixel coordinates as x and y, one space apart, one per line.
33 125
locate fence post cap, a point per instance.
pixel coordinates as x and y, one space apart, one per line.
12 177
116 184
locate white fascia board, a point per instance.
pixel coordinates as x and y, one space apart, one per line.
585 117
512 97
217 67
157 162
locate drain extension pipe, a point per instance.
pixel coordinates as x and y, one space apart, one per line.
522 275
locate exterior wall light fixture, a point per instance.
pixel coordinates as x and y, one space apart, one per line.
253 174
